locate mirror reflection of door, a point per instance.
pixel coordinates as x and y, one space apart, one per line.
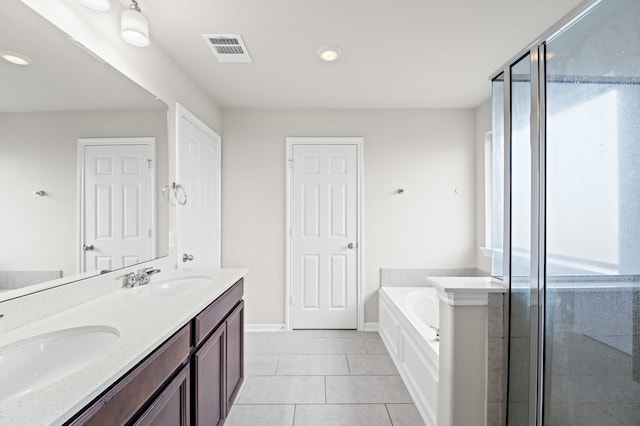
116 215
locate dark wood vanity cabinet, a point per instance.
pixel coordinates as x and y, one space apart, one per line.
218 363
172 407
143 387
209 371
235 354
191 379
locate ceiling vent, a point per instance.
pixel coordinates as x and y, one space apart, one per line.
227 47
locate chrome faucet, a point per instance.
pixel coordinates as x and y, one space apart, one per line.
142 277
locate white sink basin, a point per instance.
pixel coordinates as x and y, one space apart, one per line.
172 288
39 361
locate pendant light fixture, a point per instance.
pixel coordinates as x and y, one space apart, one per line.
101 5
134 27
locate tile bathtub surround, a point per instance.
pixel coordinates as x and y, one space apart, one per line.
496 359
321 377
416 277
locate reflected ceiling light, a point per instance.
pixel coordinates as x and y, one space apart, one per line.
101 5
15 58
329 53
134 27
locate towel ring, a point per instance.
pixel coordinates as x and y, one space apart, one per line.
178 191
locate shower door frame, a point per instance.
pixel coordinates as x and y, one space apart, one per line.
537 54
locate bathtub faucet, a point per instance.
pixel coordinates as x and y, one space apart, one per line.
437 330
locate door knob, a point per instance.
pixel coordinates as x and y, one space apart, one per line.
351 246
187 257
87 247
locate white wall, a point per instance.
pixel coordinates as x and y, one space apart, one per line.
429 153
39 152
483 125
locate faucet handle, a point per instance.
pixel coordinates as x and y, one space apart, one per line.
131 279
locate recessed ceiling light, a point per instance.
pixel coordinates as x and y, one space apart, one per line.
15 58
101 5
329 53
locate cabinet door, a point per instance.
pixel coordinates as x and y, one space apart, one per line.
209 378
172 406
235 353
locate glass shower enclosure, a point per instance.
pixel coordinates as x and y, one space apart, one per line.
567 124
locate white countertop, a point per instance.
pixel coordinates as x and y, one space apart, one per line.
143 322
467 284
466 291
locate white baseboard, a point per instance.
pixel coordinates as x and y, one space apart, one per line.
263 328
370 326
267 328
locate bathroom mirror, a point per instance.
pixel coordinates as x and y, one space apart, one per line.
70 131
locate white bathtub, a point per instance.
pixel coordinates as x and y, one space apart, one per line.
405 317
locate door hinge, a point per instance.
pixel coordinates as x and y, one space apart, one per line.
291 162
150 233
149 163
291 300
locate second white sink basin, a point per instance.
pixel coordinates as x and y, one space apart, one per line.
172 288
45 359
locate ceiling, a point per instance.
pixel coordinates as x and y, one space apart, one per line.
396 54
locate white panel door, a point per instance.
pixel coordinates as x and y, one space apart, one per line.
117 206
199 175
324 236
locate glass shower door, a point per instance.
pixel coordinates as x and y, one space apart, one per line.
520 242
592 261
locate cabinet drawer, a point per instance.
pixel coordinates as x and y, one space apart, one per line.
207 320
129 395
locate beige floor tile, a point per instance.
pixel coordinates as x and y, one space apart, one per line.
405 415
366 390
342 415
351 334
334 346
283 390
273 343
371 365
312 365
375 346
260 415
260 365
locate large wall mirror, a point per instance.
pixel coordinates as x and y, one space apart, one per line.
83 156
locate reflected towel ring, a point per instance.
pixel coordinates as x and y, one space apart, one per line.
176 190
179 194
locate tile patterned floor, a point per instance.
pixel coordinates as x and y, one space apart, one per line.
321 377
